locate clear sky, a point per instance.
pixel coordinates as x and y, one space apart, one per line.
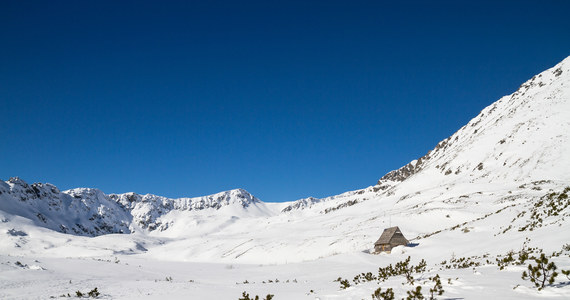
286 99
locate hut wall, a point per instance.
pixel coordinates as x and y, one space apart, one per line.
387 247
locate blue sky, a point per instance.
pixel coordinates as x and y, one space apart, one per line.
285 99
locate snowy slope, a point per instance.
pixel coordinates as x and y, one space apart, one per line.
522 137
496 185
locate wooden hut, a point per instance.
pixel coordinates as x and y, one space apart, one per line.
390 238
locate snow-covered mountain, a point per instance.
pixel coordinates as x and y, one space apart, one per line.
79 211
521 138
149 211
86 211
499 184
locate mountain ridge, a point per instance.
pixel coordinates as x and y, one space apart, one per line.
519 139
89 211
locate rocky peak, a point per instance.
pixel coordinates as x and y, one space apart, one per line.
301 204
17 181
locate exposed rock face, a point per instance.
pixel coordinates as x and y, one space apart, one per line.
147 209
78 211
301 204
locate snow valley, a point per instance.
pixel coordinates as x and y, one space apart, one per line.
472 209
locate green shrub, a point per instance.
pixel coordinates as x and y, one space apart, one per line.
364 277
93 293
344 284
566 273
415 294
543 272
386 295
402 268
246 297
437 288
549 205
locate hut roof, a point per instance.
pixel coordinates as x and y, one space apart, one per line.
388 234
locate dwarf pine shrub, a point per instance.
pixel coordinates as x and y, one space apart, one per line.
344 284
403 268
544 271
415 294
566 273
245 296
549 205
93 293
364 277
437 288
388 294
